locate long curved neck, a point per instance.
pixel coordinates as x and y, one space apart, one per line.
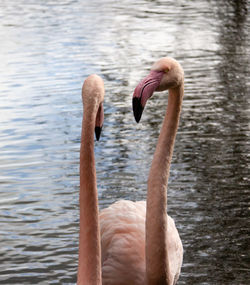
89 263
157 262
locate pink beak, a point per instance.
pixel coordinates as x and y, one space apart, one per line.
144 90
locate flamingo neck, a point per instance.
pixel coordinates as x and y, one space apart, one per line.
89 263
157 262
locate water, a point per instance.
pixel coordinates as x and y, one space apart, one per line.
47 49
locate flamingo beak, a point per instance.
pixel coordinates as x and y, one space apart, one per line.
143 91
99 122
137 108
98 131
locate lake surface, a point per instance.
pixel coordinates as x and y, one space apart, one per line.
47 50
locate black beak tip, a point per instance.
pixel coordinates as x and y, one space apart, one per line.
98 131
137 108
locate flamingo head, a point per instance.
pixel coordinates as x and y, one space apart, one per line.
165 74
93 97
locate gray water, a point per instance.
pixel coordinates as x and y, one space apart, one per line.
47 49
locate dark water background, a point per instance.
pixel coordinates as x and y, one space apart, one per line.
47 48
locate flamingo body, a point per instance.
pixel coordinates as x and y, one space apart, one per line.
122 228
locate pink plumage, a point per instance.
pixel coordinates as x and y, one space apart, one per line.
123 244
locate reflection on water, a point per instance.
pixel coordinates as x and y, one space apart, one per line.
47 49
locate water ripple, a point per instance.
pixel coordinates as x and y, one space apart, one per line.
47 49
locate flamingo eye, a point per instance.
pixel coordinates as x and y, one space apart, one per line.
166 70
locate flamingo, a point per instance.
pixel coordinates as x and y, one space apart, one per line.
130 243
164 251
89 256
